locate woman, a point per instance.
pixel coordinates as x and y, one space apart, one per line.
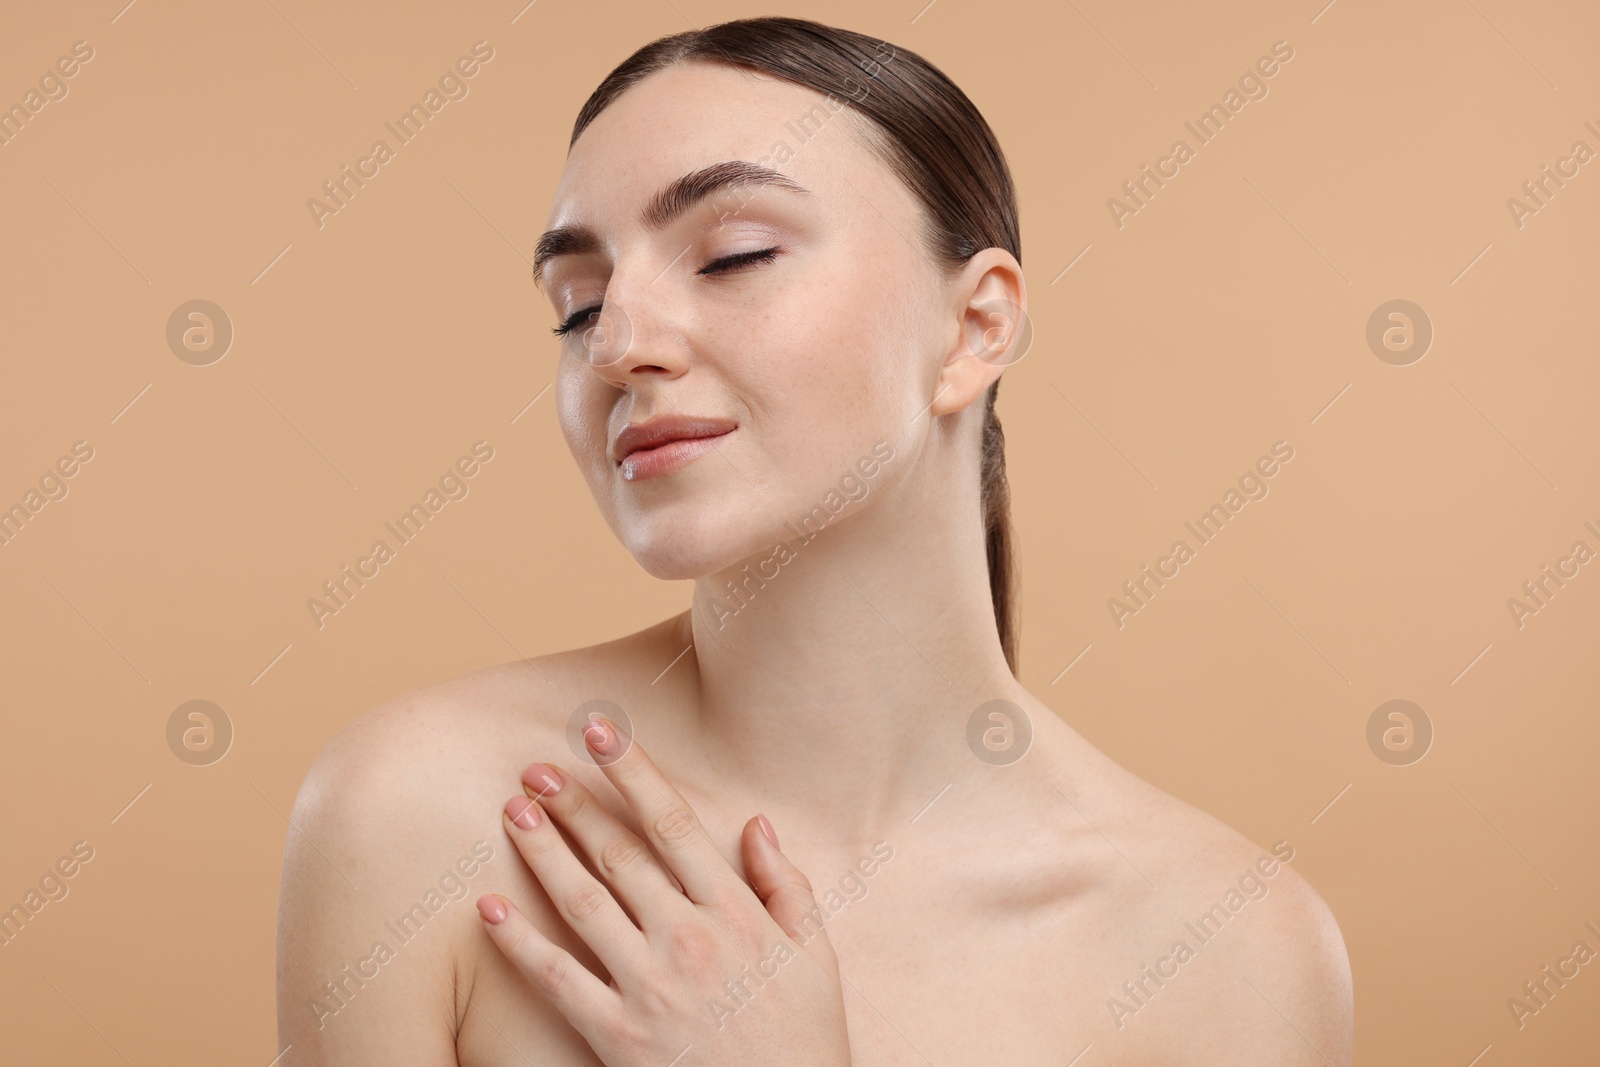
784 260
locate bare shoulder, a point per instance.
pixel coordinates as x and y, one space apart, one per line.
1228 953
1275 987
416 742
395 832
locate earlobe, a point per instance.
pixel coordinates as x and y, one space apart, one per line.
993 329
963 379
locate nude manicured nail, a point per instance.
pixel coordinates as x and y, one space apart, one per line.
766 828
601 736
523 812
491 909
542 779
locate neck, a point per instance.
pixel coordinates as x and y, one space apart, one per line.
836 676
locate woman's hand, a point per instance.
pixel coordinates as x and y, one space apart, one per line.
713 972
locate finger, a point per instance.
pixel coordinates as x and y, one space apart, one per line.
588 1004
673 828
580 898
624 861
783 888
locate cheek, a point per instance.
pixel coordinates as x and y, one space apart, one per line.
862 369
797 382
581 412
884 335
820 394
827 351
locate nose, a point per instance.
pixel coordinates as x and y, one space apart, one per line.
634 334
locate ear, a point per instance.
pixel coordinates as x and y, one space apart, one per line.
989 299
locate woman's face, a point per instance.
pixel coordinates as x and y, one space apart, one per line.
810 354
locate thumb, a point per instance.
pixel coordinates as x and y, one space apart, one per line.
783 888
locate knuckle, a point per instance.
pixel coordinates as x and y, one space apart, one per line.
584 902
676 826
697 948
516 941
620 855
575 802
552 975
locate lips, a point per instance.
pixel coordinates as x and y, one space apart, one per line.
653 433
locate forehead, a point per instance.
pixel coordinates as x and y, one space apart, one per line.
692 115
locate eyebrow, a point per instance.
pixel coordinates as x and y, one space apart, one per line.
667 205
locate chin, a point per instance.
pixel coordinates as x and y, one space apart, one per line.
676 551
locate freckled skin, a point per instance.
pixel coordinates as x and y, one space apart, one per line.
835 700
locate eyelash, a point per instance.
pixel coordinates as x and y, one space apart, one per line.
716 266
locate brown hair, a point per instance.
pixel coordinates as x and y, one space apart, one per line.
930 135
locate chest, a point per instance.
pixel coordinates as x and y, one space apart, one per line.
938 986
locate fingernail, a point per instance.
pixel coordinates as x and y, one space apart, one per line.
602 737
523 812
766 828
542 779
491 909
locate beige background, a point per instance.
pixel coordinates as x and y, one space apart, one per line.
1228 314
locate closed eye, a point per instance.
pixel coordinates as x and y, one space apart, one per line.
741 259
726 264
